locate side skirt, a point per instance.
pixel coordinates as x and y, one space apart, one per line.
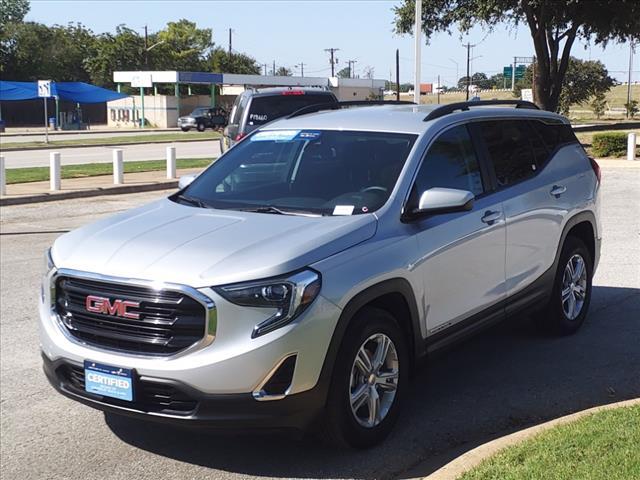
534 296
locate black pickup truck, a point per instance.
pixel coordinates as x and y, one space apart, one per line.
204 117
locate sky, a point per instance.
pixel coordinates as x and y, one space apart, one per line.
294 32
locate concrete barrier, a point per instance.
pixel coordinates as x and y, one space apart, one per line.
3 178
171 162
631 146
118 167
54 171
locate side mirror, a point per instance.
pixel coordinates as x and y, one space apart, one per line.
185 180
442 200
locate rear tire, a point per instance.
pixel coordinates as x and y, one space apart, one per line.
364 382
571 296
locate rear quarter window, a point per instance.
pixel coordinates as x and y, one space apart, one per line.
554 135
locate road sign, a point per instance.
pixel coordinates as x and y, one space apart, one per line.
507 71
142 80
520 71
526 94
44 88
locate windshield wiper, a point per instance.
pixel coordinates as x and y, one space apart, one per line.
196 202
277 211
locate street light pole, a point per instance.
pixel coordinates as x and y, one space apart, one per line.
417 31
629 79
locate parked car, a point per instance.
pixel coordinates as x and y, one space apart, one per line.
204 117
255 108
298 279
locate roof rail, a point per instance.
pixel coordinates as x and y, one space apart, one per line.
317 107
464 106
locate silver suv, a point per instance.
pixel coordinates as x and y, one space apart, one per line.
298 279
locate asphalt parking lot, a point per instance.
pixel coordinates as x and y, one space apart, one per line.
508 378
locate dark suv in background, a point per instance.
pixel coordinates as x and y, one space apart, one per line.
204 117
254 108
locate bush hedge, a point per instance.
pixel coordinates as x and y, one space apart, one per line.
612 144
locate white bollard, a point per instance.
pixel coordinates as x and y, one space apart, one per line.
171 162
118 167
3 179
631 146
54 171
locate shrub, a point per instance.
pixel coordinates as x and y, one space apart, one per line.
612 144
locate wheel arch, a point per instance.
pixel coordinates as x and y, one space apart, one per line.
582 226
390 295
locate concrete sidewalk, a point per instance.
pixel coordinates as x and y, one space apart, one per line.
32 192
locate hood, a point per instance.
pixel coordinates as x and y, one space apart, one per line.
169 242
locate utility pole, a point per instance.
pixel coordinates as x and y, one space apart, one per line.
397 75
513 75
146 48
468 46
230 42
265 69
273 72
352 67
332 61
301 65
629 79
417 33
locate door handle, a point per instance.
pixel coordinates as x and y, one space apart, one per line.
558 190
490 217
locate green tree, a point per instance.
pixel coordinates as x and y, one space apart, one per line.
554 26
584 79
344 73
598 104
632 108
283 72
42 52
182 46
122 51
220 61
12 12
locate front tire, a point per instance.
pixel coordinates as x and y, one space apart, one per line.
571 295
201 127
185 129
369 379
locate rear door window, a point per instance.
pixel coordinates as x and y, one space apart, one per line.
554 135
268 108
513 148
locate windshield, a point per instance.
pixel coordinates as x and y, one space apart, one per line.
199 112
304 171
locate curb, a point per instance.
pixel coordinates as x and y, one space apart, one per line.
117 190
56 147
87 132
473 458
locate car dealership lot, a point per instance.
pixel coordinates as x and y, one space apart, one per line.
503 380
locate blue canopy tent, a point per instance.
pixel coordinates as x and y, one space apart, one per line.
77 92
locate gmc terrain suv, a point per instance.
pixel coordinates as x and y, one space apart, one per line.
297 280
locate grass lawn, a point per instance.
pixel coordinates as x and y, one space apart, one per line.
602 446
118 140
39 174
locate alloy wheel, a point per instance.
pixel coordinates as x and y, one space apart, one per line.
374 380
574 287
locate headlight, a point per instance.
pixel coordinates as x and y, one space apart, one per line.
48 266
290 296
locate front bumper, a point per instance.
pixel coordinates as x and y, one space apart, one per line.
224 378
230 411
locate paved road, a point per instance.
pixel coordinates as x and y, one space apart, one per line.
152 151
508 378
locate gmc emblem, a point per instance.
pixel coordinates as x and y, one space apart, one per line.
118 308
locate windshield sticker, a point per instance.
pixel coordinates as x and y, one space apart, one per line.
257 117
274 136
343 210
308 135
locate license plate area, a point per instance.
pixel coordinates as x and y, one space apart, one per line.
108 381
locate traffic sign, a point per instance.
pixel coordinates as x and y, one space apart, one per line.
44 88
